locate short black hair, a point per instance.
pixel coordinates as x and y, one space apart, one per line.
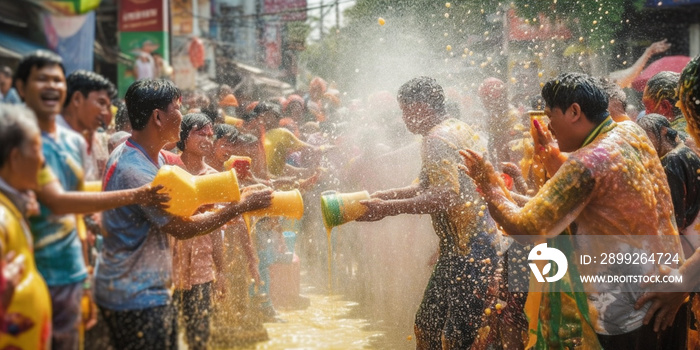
226 132
86 82
264 107
664 86
17 124
569 88
613 91
247 139
423 89
145 96
655 123
191 121
38 59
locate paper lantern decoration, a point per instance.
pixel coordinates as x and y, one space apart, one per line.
196 52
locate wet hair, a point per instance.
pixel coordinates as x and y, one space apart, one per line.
655 123
226 132
191 122
86 82
663 86
537 103
423 89
247 139
614 91
570 88
38 59
689 95
264 107
17 125
121 118
145 96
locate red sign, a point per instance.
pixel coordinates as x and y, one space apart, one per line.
542 29
143 16
288 10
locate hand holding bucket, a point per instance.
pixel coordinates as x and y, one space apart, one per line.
188 192
284 203
339 208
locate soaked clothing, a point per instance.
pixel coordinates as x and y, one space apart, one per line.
279 143
153 328
454 301
134 270
455 294
682 167
458 225
193 261
594 188
194 306
57 247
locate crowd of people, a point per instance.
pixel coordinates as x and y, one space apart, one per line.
112 268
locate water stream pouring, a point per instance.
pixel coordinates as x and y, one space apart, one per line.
188 192
339 208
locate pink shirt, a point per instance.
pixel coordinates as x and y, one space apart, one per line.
193 262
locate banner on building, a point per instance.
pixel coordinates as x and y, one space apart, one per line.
544 29
144 37
72 37
150 54
143 16
287 10
181 16
272 42
68 7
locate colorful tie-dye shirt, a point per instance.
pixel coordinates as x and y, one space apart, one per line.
614 185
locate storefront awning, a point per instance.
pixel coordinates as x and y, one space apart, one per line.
16 47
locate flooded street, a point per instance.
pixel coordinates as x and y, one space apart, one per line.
330 322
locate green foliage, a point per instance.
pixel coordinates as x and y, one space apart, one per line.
298 31
597 21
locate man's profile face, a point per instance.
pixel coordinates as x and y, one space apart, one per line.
93 110
171 119
44 91
561 127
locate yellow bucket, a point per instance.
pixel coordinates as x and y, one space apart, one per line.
189 192
339 208
284 203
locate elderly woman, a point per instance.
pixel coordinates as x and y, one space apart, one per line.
25 305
